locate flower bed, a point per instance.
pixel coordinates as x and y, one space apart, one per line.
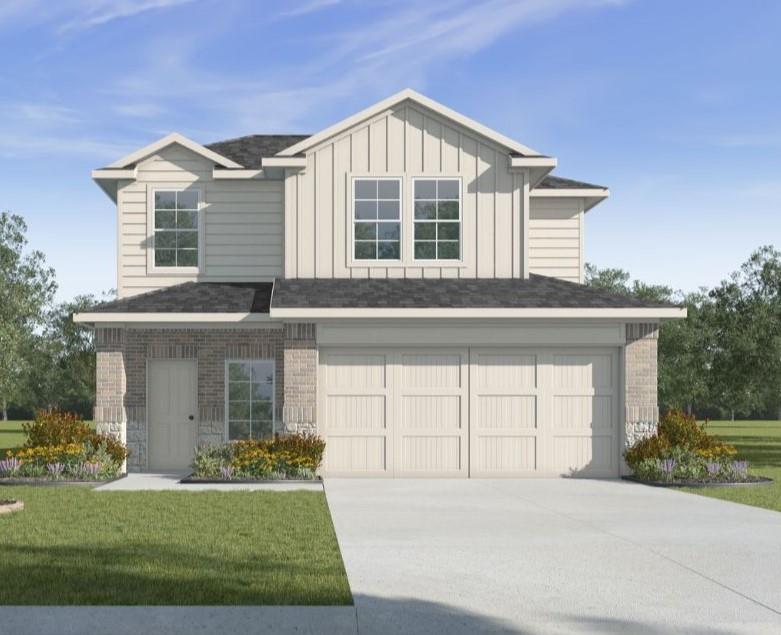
283 458
682 454
60 447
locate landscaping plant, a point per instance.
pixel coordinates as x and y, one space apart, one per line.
294 456
682 450
61 446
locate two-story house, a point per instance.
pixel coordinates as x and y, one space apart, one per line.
406 283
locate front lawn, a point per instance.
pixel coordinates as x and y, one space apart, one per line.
11 435
760 443
71 545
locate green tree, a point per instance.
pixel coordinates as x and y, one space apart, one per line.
746 373
27 287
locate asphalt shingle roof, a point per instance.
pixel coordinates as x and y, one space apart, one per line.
559 183
196 297
250 150
534 292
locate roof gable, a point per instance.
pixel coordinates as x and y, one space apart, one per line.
408 95
173 138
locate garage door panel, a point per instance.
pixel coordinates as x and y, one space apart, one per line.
355 370
502 454
356 412
431 371
584 455
506 412
502 371
357 454
573 412
583 371
428 412
431 454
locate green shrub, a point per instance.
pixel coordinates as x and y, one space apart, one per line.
57 428
681 439
283 457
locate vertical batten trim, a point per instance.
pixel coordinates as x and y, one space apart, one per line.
525 226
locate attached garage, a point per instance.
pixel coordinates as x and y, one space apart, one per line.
472 411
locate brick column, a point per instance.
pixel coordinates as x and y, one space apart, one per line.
110 383
299 412
640 382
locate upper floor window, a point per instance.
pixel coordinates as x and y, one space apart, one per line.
377 219
176 228
437 219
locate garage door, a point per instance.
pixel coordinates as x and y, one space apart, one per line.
469 412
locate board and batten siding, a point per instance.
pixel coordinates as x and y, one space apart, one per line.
556 238
406 141
242 224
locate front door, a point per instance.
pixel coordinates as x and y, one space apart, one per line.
173 420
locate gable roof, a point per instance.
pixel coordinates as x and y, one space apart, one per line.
560 183
170 139
409 95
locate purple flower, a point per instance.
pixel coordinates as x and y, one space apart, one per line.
55 469
740 468
713 467
668 467
9 466
89 469
227 472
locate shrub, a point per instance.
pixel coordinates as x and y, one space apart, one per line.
692 453
283 457
53 428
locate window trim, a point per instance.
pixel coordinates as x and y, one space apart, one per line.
226 400
437 262
153 269
375 262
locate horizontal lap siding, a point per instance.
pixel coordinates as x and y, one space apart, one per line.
404 142
242 223
555 238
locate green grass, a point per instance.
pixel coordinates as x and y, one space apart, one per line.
11 435
760 443
71 545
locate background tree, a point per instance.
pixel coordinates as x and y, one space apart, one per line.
27 286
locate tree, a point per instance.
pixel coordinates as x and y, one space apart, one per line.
617 281
746 373
27 286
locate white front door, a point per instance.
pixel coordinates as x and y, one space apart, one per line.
172 416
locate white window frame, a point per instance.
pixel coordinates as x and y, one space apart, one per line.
174 271
228 362
437 262
376 262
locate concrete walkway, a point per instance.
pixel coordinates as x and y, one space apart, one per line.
170 481
554 556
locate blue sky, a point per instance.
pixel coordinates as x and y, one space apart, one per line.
675 104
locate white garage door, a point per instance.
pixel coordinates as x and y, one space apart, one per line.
469 412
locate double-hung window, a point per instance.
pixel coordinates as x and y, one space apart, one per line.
176 228
437 219
249 397
377 219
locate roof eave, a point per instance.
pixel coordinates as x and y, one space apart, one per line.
629 313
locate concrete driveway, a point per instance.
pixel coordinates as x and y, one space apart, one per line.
554 556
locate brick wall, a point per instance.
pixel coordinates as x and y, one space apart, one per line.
300 399
640 383
121 376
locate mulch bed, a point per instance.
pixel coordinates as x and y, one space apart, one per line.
48 482
192 480
750 481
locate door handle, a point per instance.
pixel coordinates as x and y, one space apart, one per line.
191 417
